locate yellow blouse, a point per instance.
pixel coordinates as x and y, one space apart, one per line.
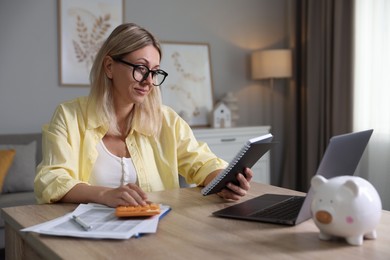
69 152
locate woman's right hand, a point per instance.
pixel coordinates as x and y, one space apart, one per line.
126 195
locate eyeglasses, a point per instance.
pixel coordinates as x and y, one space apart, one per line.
141 73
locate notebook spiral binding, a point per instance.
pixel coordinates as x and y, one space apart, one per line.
222 175
246 157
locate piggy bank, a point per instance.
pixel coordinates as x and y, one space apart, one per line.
346 206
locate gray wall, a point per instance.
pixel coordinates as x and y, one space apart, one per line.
29 77
29 74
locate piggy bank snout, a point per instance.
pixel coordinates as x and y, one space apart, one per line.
324 217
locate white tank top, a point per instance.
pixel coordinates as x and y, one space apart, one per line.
110 170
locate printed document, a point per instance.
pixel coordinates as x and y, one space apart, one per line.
102 222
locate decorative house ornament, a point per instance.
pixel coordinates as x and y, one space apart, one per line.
347 207
232 102
221 117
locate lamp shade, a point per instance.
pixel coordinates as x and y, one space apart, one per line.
271 64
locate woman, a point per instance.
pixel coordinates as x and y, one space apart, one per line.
120 142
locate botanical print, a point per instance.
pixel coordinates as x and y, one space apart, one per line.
84 26
188 88
88 42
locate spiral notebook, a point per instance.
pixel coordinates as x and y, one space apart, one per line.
248 155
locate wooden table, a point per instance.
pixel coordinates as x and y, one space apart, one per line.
189 231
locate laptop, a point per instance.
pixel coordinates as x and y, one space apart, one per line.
341 157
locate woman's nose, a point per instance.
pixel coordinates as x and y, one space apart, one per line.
149 79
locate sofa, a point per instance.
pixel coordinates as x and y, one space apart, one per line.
18 181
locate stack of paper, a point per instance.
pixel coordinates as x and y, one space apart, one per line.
101 221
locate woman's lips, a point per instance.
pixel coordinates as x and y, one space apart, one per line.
141 91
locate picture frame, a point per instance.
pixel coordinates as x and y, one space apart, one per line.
83 27
188 89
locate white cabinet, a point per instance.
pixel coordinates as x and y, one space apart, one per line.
227 142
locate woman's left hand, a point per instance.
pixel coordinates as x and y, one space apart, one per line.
235 192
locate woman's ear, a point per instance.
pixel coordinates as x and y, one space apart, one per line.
107 65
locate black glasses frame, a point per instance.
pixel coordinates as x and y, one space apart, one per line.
148 71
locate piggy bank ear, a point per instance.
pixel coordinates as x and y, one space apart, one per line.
352 186
317 181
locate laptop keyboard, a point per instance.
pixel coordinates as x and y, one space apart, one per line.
285 210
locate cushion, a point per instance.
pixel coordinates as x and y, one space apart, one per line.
6 159
20 176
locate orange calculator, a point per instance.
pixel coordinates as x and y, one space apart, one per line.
138 211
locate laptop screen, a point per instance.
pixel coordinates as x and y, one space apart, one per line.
341 157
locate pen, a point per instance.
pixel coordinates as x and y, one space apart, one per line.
81 222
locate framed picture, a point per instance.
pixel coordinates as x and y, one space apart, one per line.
83 27
188 87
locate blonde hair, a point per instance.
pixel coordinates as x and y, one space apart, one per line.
145 117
